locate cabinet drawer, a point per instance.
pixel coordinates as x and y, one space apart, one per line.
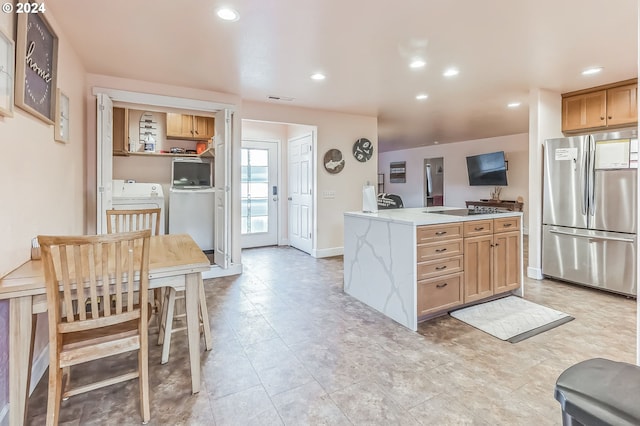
439 293
506 224
431 233
478 227
440 250
439 267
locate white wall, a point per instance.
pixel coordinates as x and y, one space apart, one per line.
41 182
456 181
545 115
334 130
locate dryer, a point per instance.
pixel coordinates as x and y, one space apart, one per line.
139 195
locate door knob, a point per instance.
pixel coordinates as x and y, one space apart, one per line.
289 198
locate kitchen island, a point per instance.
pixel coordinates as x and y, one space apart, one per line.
417 263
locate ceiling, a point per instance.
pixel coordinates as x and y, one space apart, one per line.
502 48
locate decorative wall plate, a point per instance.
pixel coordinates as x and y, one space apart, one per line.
363 150
333 161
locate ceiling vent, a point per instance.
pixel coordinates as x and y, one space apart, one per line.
279 98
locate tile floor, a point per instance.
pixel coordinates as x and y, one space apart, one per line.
291 348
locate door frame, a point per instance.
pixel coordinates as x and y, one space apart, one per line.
278 147
125 96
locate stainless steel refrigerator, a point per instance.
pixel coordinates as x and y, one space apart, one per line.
589 210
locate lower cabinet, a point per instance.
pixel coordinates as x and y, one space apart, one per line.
464 262
478 261
492 261
440 293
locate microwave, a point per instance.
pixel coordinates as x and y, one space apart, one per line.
191 173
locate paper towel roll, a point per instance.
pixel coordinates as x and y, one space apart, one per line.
369 200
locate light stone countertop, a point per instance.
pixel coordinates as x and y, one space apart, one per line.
420 215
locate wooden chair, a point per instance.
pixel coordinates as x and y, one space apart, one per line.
133 220
96 268
136 220
165 301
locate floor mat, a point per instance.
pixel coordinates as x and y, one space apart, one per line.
511 318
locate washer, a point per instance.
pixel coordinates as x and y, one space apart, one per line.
139 195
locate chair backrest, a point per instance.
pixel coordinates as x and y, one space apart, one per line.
133 220
108 276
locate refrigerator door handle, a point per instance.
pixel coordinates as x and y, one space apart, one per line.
584 187
624 240
592 238
592 172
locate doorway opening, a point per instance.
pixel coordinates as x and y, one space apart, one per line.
434 181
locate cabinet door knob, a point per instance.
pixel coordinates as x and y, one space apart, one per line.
441 232
610 117
443 285
441 250
601 118
479 228
440 268
506 225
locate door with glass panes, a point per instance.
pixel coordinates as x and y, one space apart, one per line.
259 196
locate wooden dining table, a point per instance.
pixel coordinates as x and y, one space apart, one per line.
174 261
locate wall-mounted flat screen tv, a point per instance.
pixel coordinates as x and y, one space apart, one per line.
487 169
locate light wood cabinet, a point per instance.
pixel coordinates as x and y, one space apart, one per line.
622 105
478 261
183 126
492 263
120 131
599 108
440 276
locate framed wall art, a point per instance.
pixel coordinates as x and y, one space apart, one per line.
62 117
36 66
7 66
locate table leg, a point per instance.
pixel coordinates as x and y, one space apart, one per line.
208 343
193 327
21 325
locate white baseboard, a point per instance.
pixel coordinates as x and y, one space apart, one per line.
216 271
4 419
39 367
335 251
283 242
535 273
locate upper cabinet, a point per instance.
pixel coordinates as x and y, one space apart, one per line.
182 126
599 108
120 131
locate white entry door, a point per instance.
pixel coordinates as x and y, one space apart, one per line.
259 194
300 193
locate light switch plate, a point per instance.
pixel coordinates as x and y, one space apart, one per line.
328 194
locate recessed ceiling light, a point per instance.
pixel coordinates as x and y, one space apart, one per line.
450 72
513 104
422 96
417 63
318 76
228 14
592 70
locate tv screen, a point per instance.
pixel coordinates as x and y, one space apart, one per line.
487 169
191 173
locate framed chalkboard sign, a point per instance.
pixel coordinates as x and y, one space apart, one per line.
36 66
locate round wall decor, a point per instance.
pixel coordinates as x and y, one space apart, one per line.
363 150
333 161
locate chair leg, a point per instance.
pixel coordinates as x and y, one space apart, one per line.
66 379
205 316
55 392
143 378
163 317
168 324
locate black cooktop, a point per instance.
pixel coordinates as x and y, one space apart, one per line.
470 212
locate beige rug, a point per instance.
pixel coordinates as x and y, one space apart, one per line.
511 318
